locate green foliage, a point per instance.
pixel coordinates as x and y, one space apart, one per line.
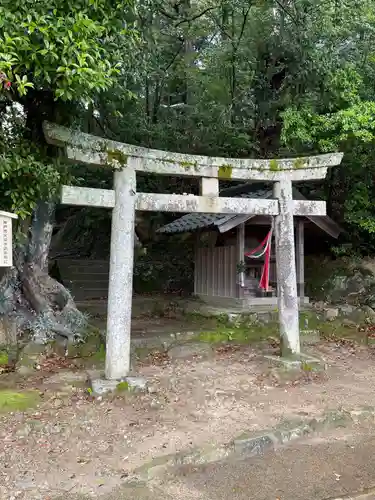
26 177
237 79
62 45
51 52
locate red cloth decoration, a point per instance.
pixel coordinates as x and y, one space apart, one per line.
264 248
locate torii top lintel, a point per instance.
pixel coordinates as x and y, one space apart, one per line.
93 150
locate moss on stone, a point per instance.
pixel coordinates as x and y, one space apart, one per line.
238 333
188 164
298 163
116 155
225 172
285 350
18 401
4 358
274 166
93 343
122 386
168 160
99 355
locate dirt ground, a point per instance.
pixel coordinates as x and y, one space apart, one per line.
74 443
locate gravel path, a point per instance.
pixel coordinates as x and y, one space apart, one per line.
72 443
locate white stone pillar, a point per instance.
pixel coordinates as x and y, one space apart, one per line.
120 293
287 298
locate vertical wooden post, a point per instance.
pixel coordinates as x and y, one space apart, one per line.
240 258
300 246
286 270
196 270
120 293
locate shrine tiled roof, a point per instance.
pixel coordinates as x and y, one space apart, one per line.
194 221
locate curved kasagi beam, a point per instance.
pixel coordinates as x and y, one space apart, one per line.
93 150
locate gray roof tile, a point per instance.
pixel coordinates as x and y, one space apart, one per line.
194 221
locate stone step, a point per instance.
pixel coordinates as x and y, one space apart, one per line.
82 262
92 281
82 295
86 279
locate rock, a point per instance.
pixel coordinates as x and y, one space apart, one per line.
189 350
320 305
251 446
349 323
138 384
358 315
25 370
356 284
309 337
101 386
29 358
233 317
331 314
68 377
346 309
369 313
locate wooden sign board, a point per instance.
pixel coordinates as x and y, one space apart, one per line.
6 236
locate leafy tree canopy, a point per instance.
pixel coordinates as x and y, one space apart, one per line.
51 52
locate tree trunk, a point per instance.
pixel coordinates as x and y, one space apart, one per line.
38 304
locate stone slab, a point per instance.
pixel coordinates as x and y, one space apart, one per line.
102 386
297 362
309 337
252 446
188 350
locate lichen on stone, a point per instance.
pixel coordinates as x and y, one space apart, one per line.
122 386
298 163
116 155
188 164
168 160
274 165
225 172
4 358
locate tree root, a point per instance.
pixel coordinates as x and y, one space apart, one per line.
53 304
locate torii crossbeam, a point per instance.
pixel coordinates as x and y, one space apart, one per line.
127 159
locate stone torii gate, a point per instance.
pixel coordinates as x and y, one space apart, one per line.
127 159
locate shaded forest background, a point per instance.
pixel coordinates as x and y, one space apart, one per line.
238 78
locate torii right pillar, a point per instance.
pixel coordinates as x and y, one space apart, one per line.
287 296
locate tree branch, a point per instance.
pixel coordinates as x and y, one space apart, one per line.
244 21
197 16
287 11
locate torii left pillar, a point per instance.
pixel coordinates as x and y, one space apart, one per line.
120 291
